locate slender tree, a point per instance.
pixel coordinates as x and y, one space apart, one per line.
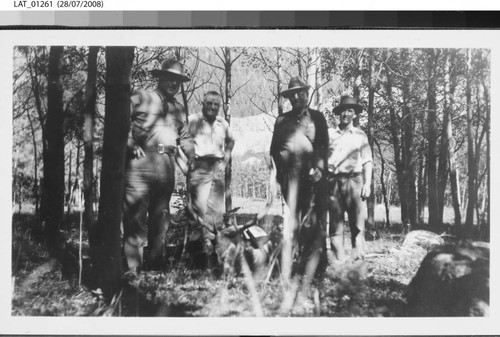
432 139
370 133
88 144
408 126
472 169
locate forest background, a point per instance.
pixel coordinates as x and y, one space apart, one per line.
427 116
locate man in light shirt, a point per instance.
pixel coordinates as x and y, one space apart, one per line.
350 160
213 144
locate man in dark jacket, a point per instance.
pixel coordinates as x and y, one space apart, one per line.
299 148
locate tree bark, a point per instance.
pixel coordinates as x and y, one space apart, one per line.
432 140
408 159
35 173
455 190
370 202
443 162
471 156
227 113
88 142
382 183
68 193
53 178
116 126
279 81
358 81
396 144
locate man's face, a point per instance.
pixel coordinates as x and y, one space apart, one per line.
299 100
346 116
168 85
211 105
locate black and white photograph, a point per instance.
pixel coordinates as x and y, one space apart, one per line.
251 174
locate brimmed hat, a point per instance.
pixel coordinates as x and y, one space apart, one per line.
296 84
347 102
171 68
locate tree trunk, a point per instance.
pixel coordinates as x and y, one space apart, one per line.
68 193
422 174
370 202
227 112
116 125
35 157
358 81
178 56
37 93
279 81
471 156
422 185
455 190
88 144
395 126
443 167
432 140
53 178
408 125
382 183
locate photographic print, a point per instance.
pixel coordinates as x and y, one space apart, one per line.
265 174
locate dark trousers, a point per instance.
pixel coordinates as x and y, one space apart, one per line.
309 217
149 183
345 196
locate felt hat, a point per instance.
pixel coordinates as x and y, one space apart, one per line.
173 69
296 85
348 102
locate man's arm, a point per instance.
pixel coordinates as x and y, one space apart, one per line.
186 140
366 157
133 146
321 147
367 174
229 144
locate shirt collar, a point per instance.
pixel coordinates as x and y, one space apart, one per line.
216 121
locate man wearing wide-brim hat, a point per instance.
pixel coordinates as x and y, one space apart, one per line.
299 148
158 122
349 177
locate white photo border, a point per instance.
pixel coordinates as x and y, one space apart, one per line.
389 38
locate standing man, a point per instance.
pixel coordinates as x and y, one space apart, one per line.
349 162
158 123
213 144
299 148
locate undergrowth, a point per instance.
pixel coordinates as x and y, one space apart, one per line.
375 287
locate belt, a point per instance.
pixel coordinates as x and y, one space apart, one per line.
161 149
345 175
208 158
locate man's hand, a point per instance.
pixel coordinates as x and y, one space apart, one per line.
223 163
137 152
316 174
365 191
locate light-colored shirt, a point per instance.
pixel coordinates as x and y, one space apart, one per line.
210 140
348 150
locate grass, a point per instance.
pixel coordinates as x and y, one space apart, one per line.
374 288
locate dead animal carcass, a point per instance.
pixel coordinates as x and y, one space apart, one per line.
452 281
253 242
